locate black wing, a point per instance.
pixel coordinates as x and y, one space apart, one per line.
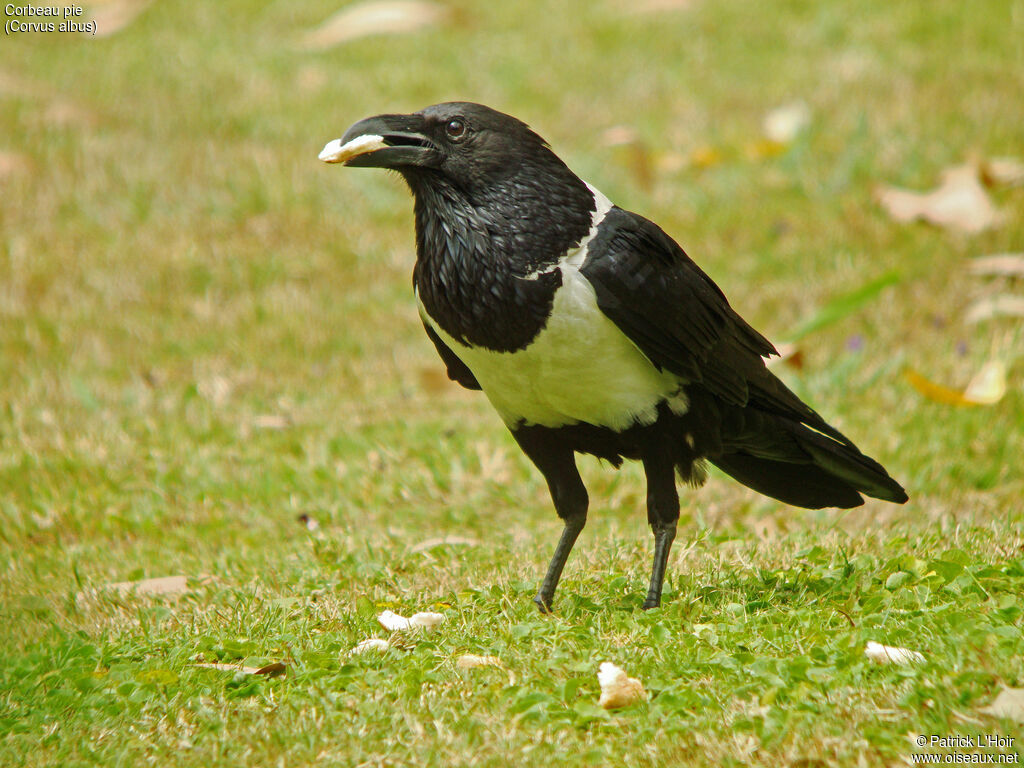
676 315
457 370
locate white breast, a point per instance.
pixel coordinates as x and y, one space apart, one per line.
579 368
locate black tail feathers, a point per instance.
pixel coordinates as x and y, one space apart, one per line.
807 468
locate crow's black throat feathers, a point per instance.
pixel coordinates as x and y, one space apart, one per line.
470 261
483 227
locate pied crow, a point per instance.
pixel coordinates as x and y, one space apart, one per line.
590 330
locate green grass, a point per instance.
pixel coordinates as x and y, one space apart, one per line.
205 333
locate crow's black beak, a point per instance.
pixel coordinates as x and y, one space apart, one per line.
385 141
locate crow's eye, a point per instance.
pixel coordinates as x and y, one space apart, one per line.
456 129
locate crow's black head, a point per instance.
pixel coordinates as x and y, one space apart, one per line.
467 146
492 203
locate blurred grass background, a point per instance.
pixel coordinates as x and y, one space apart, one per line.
205 333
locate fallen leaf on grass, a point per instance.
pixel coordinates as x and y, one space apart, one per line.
311 78
215 389
12 163
228 668
1002 171
963 717
959 202
15 85
706 156
163 585
999 265
633 151
472 661
273 669
114 15
763 149
374 18
987 387
887 654
450 541
271 421
655 6
617 688
1009 704
433 379
619 135
395 623
790 354
783 124
68 114
1003 305
371 644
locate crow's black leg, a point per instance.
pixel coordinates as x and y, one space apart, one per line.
662 514
557 463
546 593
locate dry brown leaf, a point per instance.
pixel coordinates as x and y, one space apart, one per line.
1008 704
887 654
377 17
963 717
15 85
111 16
631 150
271 421
494 463
853 64
1002 171
229 668
999 265
671 162
451 541
706 156
472 661
216 389
273 669
783 124
66 113
959 202
308 521
311 78
790 354
619 135
655 6
1003 305
987 387
933 391
433 379
164 585
618 689
763 149
12 163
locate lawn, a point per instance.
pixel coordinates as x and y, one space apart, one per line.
211 366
